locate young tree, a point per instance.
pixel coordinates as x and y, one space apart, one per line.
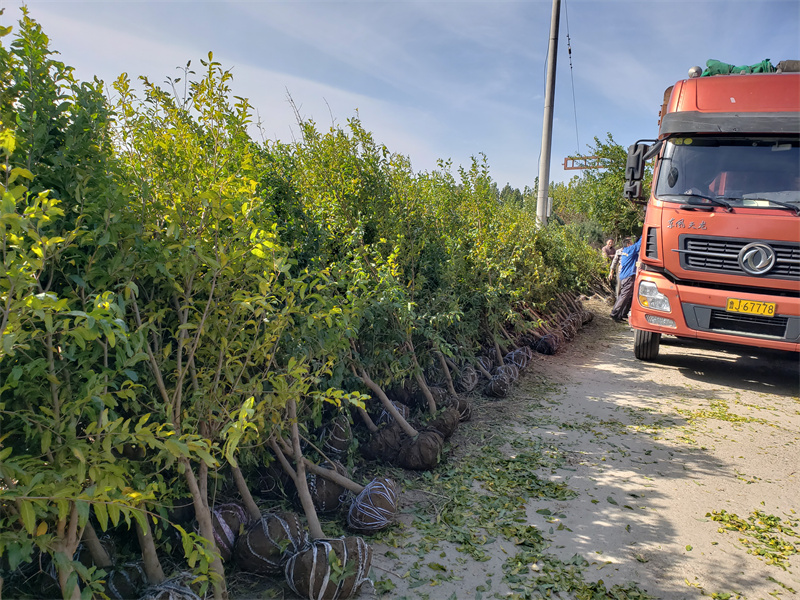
67 359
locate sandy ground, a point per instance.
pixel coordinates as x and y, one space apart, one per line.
650 451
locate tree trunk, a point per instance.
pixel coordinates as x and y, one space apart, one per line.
98 552
507 335
244 492
69 537
314 527
203 515
333 476
367 420
387 404
423 386
329 474
447 378
497 351
152 566
420 378
480 368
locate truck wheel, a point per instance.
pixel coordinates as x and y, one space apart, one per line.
645 344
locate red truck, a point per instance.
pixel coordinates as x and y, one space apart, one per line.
720 252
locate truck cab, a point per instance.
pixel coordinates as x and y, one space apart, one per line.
720 254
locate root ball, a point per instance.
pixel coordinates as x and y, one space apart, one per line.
268 543
421 453
329 569
375 507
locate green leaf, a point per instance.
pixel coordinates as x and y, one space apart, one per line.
102 515
113 514
28 515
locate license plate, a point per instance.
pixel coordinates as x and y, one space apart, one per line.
751 307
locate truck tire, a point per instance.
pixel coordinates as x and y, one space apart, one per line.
646 344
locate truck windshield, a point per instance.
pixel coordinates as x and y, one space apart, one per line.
734 171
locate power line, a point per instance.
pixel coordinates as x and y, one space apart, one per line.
572 79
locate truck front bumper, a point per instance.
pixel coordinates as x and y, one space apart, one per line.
700 312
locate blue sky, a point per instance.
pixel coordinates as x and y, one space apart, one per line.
431 80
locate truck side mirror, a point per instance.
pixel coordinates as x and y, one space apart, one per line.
634 168
633 190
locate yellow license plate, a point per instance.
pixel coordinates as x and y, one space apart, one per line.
751 307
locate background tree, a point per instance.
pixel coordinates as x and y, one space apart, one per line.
593 200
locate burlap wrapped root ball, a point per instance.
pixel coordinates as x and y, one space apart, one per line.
434 376
486 363
421 453
502 379
547 344
329 569
337 436
326 495
273 482
174 588
464 408
586 316
268 543
509 371
125 581
181 511
445 422
402 392
467 379
375 507
570 327
439 394
521 357
386 418
385 444
228 520
499 386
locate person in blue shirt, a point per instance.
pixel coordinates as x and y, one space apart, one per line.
627 276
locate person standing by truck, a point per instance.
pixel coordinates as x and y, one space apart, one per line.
613 270
628 257
608 251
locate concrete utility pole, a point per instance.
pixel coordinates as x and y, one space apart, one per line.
547 127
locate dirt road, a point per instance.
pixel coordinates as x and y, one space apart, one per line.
602 475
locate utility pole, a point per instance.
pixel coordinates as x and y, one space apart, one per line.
547 126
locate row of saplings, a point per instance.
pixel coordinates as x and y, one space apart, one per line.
276 544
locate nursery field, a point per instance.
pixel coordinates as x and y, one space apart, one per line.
235 368
223 356
601 476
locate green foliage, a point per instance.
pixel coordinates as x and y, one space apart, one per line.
171 287
67 360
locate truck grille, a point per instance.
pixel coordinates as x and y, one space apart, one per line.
721 255
651 246
749 324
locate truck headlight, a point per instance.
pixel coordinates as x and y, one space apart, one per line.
650 297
